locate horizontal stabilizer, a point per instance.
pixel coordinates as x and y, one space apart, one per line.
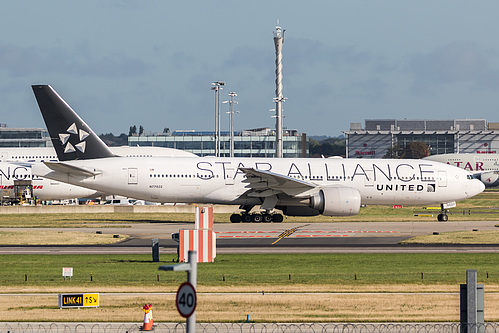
71 169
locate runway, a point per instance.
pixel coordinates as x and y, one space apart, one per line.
348 237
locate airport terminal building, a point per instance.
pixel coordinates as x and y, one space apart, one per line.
247 143
24 137
442 136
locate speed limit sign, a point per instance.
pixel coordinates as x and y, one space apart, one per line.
186 299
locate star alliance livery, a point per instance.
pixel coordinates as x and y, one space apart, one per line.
297 187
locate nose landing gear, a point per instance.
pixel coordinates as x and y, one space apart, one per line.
442 217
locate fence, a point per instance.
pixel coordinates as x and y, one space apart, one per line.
249 328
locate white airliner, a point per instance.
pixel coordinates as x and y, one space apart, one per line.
483 166
299 187
16 163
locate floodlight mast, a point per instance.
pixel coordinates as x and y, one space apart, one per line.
231 120
279 98
217 86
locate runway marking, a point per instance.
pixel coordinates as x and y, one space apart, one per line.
286 233
297 233
349 231
316 231
235 236
247 232
322 236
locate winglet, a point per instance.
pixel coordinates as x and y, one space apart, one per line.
72 138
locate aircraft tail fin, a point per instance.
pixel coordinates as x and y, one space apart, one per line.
72 138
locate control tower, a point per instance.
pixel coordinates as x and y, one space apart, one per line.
279 98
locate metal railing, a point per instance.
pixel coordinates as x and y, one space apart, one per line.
250 327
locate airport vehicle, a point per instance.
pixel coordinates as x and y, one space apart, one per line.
483 166
298 187
121 201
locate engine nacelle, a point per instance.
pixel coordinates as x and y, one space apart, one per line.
490 179
337 201
298 210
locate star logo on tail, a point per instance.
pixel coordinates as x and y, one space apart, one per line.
64 138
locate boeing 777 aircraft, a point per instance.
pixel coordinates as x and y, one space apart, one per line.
483 166
298 187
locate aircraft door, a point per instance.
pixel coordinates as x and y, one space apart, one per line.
133 176
442 179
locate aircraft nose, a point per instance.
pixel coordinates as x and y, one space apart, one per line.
481 186
477 188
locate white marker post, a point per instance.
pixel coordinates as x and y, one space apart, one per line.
191 268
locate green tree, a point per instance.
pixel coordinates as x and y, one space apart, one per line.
327 147
133 130
394 151
415 149
114 141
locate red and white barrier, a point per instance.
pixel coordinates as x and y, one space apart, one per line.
204 218
202 241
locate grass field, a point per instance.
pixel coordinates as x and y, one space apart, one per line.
251 270
269 287
41 237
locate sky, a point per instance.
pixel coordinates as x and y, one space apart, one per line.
152 62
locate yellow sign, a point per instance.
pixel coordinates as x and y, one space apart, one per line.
90 299
78 300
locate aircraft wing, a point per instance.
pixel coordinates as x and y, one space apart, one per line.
71 169
265 184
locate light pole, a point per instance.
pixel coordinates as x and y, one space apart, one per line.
231 120
217 86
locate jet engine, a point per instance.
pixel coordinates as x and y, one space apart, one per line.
298 210
337 201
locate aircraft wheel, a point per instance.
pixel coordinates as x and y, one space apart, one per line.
235 218
277 218
256 218
442 217
267 218
246 218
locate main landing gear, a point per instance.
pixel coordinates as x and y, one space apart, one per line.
264 216
256 218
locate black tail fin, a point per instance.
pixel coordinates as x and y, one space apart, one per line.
71 137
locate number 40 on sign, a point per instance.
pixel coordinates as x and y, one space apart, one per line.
186 299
